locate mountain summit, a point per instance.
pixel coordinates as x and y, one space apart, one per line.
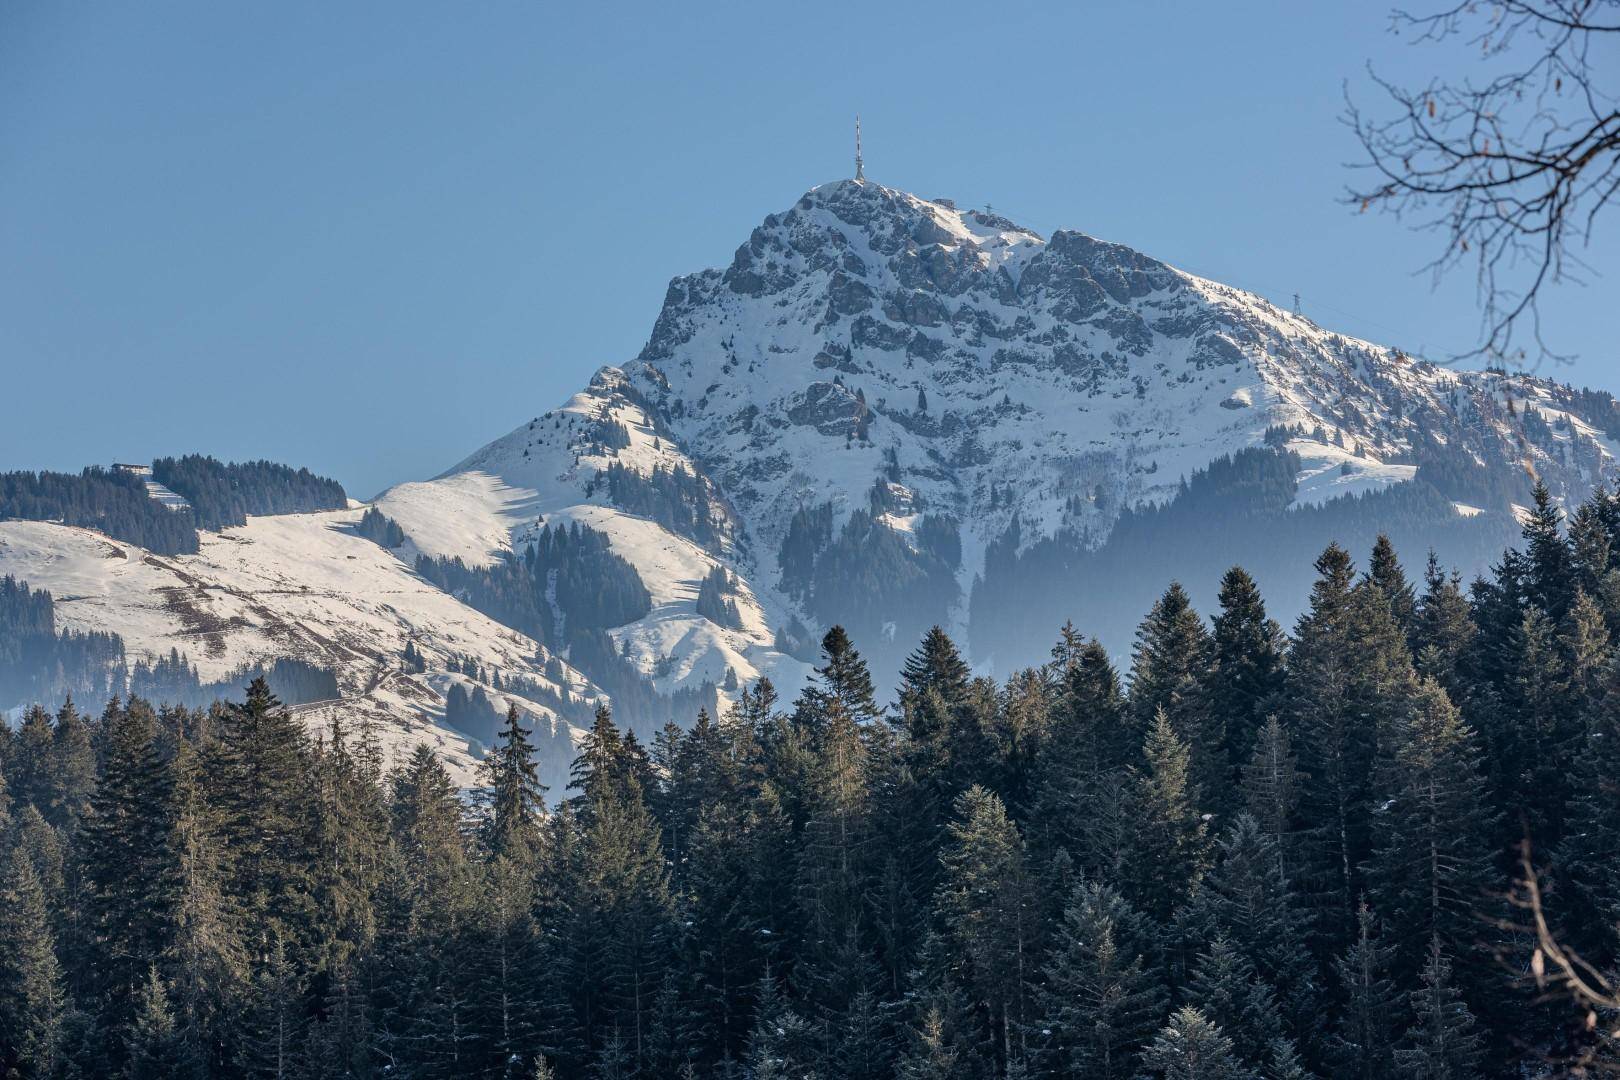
889 411
886 413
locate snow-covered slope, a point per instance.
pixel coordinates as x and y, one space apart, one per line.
549 472
880 394
304 586
985 373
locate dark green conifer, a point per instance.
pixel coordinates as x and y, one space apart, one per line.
129 867
1101 1001
32 994
1227 990
1089 739
516 796
1367 1021
1169 838
1190 1047
1551 562
1386 575
1169 674
1349 674
1444 1042
1431 867
1245 677
261 785
155 1050
988 908
1443 630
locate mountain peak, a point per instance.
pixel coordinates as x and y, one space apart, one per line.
877 375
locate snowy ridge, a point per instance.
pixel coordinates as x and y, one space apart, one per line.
865 350
304 586
1066 379
547 472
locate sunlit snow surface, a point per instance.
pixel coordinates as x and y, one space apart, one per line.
1073 377
1076 376
304 586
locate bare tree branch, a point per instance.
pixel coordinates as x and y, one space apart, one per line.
1558 969
1513 172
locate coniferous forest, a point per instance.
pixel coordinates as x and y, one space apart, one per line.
1239 852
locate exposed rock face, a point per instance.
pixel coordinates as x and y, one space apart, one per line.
883 401
1068 380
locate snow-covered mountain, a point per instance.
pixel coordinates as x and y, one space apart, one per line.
302 586
886 412
976 389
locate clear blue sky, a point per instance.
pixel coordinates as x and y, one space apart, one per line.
371 237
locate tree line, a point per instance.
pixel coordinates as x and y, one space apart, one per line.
116 502
47 666
109 501
1269 855
223 495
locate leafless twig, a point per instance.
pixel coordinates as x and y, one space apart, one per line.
1513 171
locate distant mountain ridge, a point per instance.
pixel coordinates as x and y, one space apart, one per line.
886 412
872 361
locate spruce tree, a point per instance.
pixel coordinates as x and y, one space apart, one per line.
1246 675
1590 542
346 836
928 1057
32 995
844 678
1444 1043
420 967
261 784
207 962
1227 990
937 993
1591 907
72 759
1246 899
507 965
1271 795
45 848
1169 838
1430 868
1349 674
622 930
781 1046
1190 1047
155 1051
727 946
128 862
1385 573
1532 735
987 907
935 665
1101 1001
516 796
1170 669
31 766
861 1045
273 1036
1443 630
1089 738
835 851
1551 562
1283 1063
1367 1021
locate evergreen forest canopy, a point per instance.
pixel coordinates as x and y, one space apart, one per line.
566 590
1277 856
116 502
224 495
